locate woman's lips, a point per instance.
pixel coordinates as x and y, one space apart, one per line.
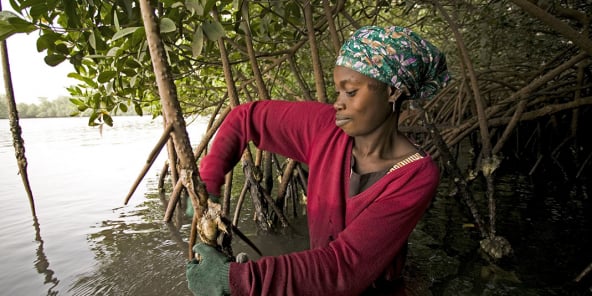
341 120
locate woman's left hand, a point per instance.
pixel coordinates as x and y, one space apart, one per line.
208 275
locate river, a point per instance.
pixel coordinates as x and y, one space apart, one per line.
80 177
85 241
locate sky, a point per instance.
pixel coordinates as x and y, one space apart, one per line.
31 77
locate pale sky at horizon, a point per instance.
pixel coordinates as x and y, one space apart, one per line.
31 77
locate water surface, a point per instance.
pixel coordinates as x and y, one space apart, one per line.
80 177
84 241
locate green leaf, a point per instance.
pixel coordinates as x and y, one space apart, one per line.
138 109
91 119
129 72
45 41
74 90
15 5
54 59
106 76
133 81
11 24
167 25
92 41
116 21
112 52
124 32
195 7
209 5
62 48
77 102
138 36
132 63
176 4
71 14
86 80
96 99
38 10
107 119
197 42
123 107
213 30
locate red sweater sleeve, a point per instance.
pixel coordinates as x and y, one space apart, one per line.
277 126
378 224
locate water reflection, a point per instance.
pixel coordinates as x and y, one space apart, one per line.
177 222
137 254
42 264
551 247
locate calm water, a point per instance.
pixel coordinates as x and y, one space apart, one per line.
80 178
86 242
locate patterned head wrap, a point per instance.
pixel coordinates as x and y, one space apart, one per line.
396 56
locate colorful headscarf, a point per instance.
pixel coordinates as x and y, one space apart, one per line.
396 56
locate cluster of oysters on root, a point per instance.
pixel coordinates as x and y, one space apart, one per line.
211 225
496 247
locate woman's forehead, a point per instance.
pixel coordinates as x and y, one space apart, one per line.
344 75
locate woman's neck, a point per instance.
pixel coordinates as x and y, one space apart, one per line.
377 146
380 144
381 149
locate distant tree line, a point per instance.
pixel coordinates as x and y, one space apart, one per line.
60 107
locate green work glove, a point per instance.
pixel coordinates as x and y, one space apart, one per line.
209 276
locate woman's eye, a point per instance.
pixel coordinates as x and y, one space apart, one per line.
351 93
347 93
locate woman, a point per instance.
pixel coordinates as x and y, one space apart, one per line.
368 184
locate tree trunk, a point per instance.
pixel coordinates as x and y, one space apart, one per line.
488 162
206 219
316 61
15 128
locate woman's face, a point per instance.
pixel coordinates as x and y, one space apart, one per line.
362 103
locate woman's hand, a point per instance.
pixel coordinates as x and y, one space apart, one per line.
208 273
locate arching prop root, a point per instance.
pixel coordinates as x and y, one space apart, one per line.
204 219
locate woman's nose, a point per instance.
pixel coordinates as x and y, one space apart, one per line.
338 105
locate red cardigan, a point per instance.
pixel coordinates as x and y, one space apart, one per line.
353 240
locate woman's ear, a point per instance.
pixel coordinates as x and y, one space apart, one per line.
396 93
